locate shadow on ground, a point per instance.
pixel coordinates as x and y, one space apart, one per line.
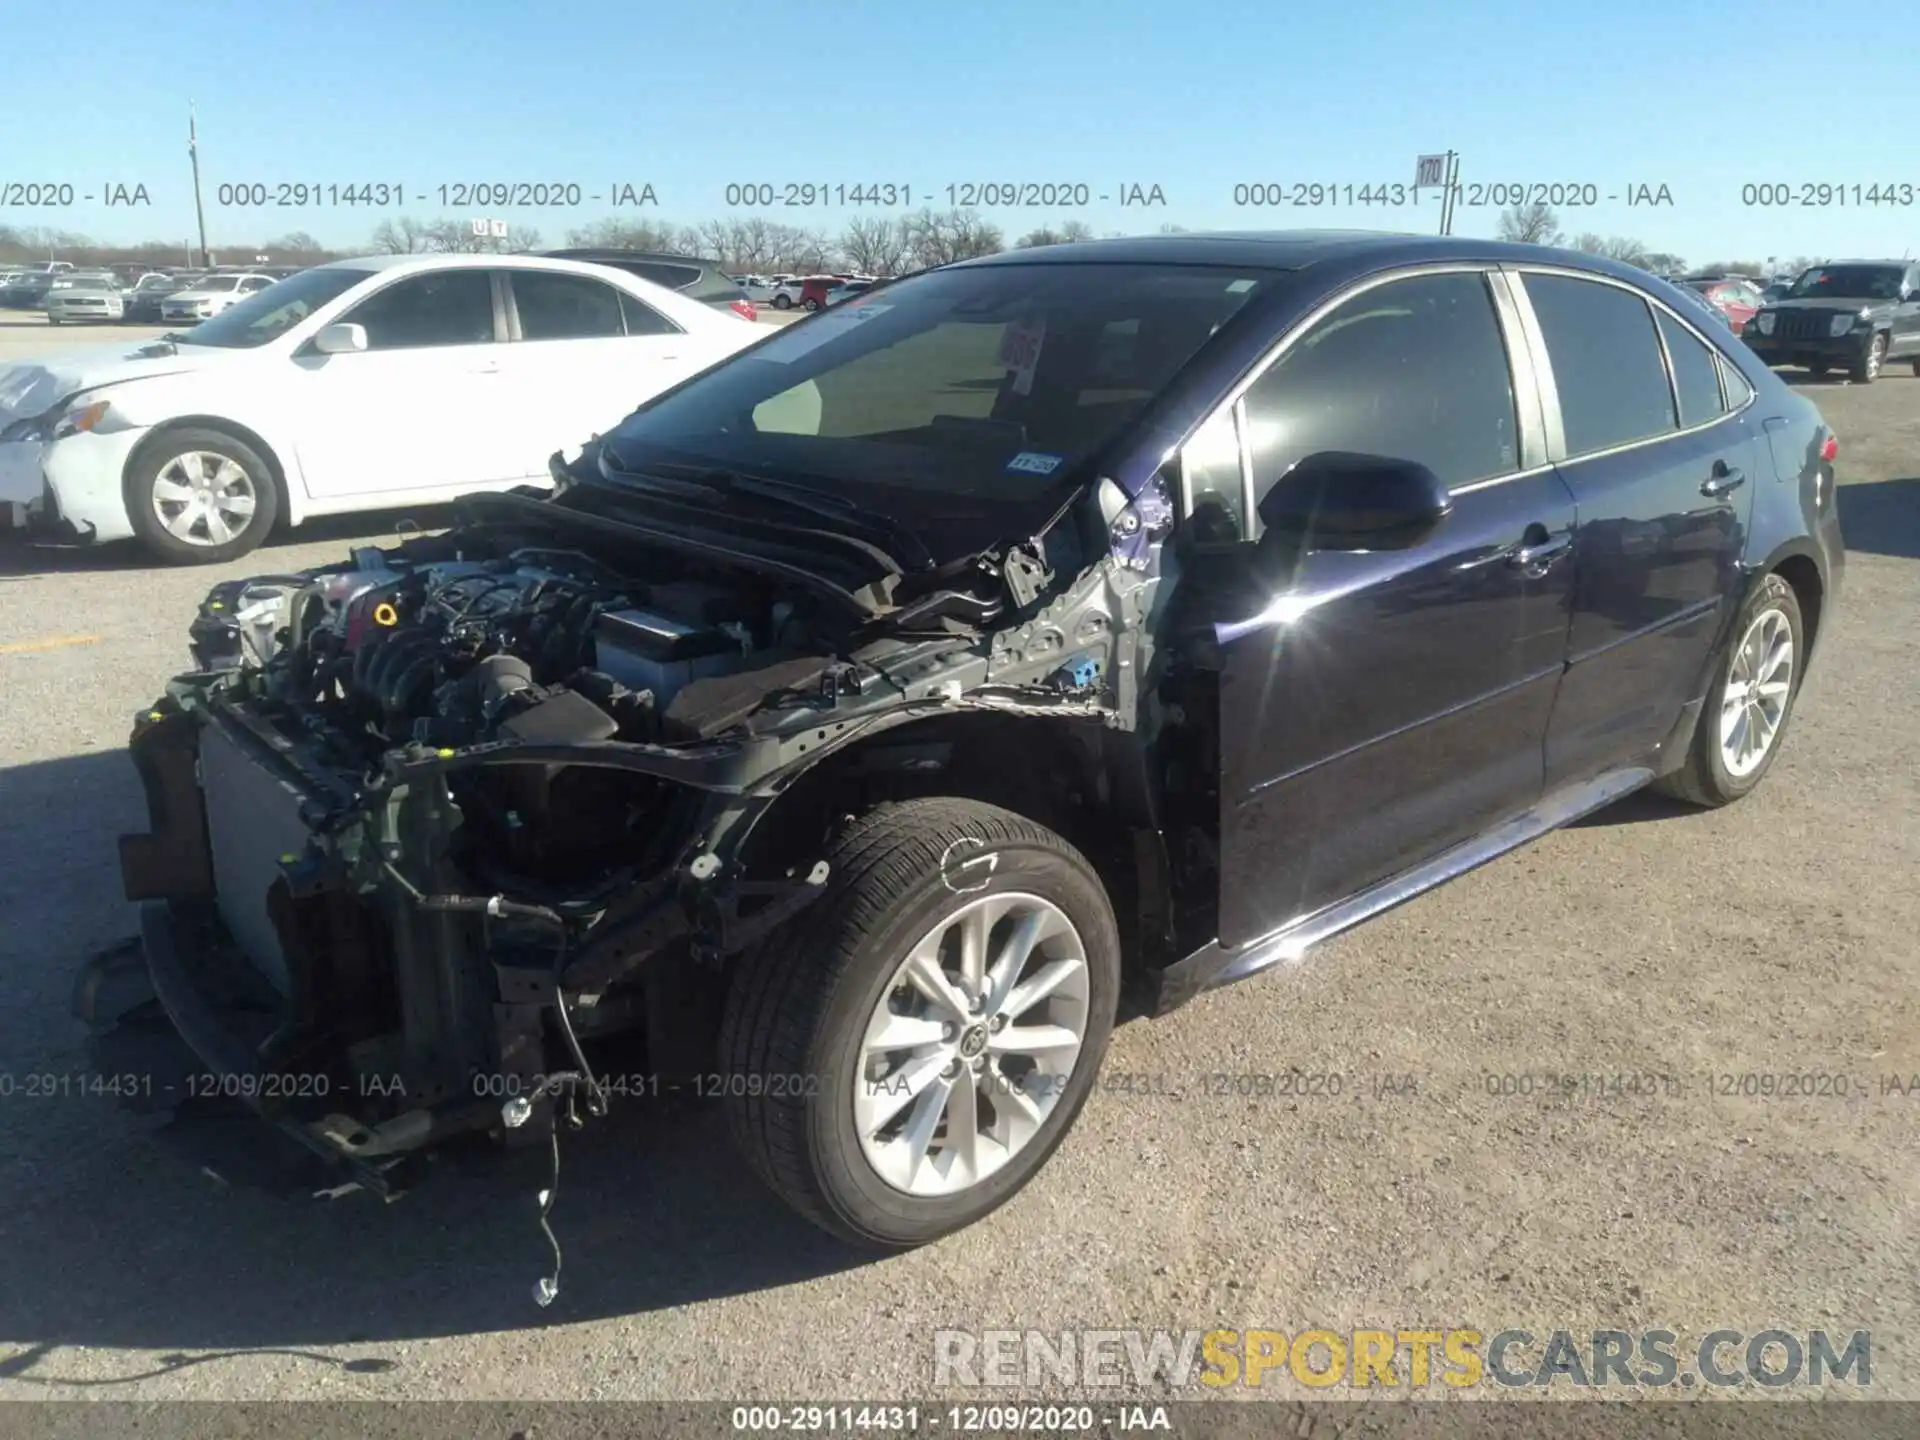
115 1239
21 558
1881 517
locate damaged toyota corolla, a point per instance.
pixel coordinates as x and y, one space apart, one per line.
857 729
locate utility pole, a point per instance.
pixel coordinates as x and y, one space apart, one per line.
1447 195
193 153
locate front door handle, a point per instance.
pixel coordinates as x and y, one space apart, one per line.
1723 481
1535 558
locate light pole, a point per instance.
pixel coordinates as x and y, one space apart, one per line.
193 153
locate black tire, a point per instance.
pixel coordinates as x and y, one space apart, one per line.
1866 369
1916 364
1704 778
146 467
810 305
800 1001
53 320
781 302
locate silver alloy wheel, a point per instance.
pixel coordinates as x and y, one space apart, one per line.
1759 683
204 498
972 1044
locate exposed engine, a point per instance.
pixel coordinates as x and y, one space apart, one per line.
540 646
426 645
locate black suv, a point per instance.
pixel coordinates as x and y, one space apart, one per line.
1852 314
697 279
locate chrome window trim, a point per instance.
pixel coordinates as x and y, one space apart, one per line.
1235 397
1530 416
1557 443
1243 441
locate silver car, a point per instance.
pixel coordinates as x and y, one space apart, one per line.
85 297
210 295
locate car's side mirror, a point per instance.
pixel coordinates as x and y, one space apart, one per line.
341 339
1339 500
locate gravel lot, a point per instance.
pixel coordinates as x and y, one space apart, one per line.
1775 936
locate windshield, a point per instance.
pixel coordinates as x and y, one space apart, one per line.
90 282
274 310
218 282
950 395
1854 282
157 282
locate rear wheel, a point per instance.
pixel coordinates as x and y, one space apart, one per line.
781 302
198 497
1745 719
811 304
905 1058
1866 369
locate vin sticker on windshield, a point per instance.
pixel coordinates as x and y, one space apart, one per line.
1035 462
1020 352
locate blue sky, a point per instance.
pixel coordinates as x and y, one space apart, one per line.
1195 97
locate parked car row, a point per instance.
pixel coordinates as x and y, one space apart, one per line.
1852 316
808 292
1847 315
67 294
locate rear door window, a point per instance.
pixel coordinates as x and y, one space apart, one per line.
565 307
1606 360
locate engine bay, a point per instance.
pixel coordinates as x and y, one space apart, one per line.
534 645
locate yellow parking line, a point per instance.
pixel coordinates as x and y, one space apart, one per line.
52 642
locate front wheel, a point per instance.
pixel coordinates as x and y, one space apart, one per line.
905 1058
1745 719
198 497
1866 369
781 302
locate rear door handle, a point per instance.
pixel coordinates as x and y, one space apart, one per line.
1537 557
1724 480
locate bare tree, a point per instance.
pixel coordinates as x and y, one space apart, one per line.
876 244
1534 224
1623 248
1068 233
942 237
404 236
612 233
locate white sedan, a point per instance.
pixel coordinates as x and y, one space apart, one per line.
360 385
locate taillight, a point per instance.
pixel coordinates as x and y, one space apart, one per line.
1830 448
744 309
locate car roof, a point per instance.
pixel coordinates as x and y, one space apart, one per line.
614 252
1830 264
1298 249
